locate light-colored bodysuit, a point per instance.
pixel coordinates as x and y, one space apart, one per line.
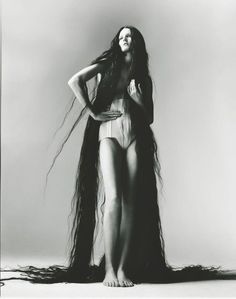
121 128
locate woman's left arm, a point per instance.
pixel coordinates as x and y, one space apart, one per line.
143 99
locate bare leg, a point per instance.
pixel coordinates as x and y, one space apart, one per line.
111 167
127 221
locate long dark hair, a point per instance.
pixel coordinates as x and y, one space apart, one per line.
104 88
114 55
113 58
87 175
103 91
153 266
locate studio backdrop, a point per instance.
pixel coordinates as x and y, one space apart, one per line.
191 46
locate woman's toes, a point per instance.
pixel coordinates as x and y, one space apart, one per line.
111 280
113 283
129 283
124 280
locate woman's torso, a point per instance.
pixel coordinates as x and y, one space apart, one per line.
121 128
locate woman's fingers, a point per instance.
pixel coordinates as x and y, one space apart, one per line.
109 118
112 112
112 115
133 88
108 115
139 88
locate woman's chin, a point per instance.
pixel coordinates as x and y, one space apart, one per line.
125 49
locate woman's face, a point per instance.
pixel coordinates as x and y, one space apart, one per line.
125 40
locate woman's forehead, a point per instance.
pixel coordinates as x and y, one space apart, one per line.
125 31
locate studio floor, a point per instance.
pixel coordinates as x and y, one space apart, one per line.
190 289
17 288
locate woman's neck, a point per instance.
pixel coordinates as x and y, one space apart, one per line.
127 59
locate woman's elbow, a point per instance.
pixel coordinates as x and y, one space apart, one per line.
71 82
75 81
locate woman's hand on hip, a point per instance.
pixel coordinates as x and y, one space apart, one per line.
106 115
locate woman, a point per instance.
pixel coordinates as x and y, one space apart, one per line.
116 233
117 149
122 112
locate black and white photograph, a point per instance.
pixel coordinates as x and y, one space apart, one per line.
118 142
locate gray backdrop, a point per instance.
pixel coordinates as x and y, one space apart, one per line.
192 46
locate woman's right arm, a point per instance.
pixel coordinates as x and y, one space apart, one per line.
78 85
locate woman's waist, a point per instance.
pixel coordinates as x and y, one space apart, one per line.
121 104
122 122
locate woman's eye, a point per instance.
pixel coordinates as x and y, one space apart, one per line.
127 36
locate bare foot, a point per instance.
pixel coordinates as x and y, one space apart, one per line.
110 279
124 281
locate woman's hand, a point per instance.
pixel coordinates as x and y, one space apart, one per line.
135 92
106 115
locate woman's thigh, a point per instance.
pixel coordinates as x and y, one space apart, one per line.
131 172
111 162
